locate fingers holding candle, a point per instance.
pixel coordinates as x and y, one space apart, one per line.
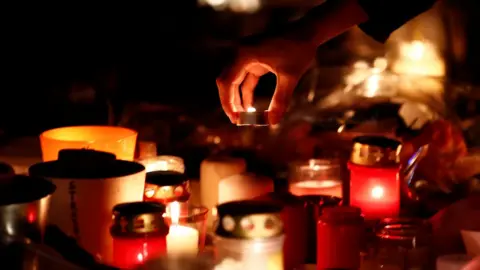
281 98
248 88
228 89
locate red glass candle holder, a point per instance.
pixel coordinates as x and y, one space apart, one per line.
375 190
138 233
129 252
340 234
374 176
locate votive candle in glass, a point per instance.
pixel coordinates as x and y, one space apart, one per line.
138 232
375 177
404 243
316 177
188 228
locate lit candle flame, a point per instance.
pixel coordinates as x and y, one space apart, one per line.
251 109
372 85
377 192
174 212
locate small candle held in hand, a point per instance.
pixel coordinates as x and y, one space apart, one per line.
252 118
180 239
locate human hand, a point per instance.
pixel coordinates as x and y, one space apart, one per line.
287 59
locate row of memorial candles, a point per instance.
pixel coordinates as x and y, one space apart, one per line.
374 184
374 177
145 230
166 185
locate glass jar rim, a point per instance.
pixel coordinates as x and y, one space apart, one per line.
195 213
402 228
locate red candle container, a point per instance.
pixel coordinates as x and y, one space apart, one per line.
166 187
340 235
294 218
138 232
375 177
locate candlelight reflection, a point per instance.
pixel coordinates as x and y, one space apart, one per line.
419 58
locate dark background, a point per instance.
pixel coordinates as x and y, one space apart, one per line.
168 53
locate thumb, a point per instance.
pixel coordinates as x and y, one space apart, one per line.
281 98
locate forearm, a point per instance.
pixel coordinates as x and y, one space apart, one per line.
327 21
377 18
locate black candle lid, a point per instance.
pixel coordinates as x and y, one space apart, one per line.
166 178
134 218
85 164
19 189
249 219
6 169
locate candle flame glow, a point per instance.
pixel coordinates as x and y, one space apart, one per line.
420 58
318 184
174 212
377 192
372 85
251 109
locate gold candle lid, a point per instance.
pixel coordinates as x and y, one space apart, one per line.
375 151
138 218
249 219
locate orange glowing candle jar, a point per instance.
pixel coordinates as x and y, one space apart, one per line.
116 140
374 177
138 232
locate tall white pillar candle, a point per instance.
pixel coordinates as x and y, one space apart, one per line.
212 170
243 186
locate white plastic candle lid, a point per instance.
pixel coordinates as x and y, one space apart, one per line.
453 261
